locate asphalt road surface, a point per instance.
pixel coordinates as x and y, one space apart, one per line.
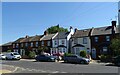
24 66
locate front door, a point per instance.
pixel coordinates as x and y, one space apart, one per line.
94 53
22 52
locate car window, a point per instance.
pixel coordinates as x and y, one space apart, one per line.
16 53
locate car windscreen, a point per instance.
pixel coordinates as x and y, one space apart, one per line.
16 53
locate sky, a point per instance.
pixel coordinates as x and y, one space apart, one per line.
33 18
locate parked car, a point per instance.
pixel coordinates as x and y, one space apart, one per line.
76 59
45 58
116 60
2 56
13 55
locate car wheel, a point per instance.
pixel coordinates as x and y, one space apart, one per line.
82 62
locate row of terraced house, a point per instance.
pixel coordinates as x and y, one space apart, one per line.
95 41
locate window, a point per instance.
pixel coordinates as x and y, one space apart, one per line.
21 44
26 44
55 42
63 42
48 43
107 38
42 43
84 40
75 41
104 49
36 44
31 44
17 45
96 39
13 45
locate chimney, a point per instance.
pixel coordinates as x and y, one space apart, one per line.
113 27
113 23
71 30
76 29
45 32
26 36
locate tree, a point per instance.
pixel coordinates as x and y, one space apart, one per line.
54 29
115 45
42 49
83 53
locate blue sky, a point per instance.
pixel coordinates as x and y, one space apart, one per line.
32 18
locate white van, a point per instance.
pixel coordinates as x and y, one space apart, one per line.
13 55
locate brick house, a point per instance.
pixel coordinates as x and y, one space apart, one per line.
6 46
46 41
101 38
26 43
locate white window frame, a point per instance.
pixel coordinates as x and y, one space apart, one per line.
21 44
42 43
96 39
62 42
84 40
26 44
107 38
55 42
48 43
36 44
31 44
105 49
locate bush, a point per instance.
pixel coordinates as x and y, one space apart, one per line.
8 50
67 54
32 54
83 53
105 58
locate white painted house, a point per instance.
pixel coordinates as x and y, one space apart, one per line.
60 42
80 40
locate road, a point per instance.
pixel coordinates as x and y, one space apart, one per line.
24 66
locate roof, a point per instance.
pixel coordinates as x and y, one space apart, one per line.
102 30
47 37
81 33
7 44
61 46
18 40
62 35
78 45
29 39
35 38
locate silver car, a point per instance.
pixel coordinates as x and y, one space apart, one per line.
76 59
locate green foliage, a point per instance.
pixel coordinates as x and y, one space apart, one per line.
115 45
32 54
54 29
83 53
68 54
42 49
8 50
